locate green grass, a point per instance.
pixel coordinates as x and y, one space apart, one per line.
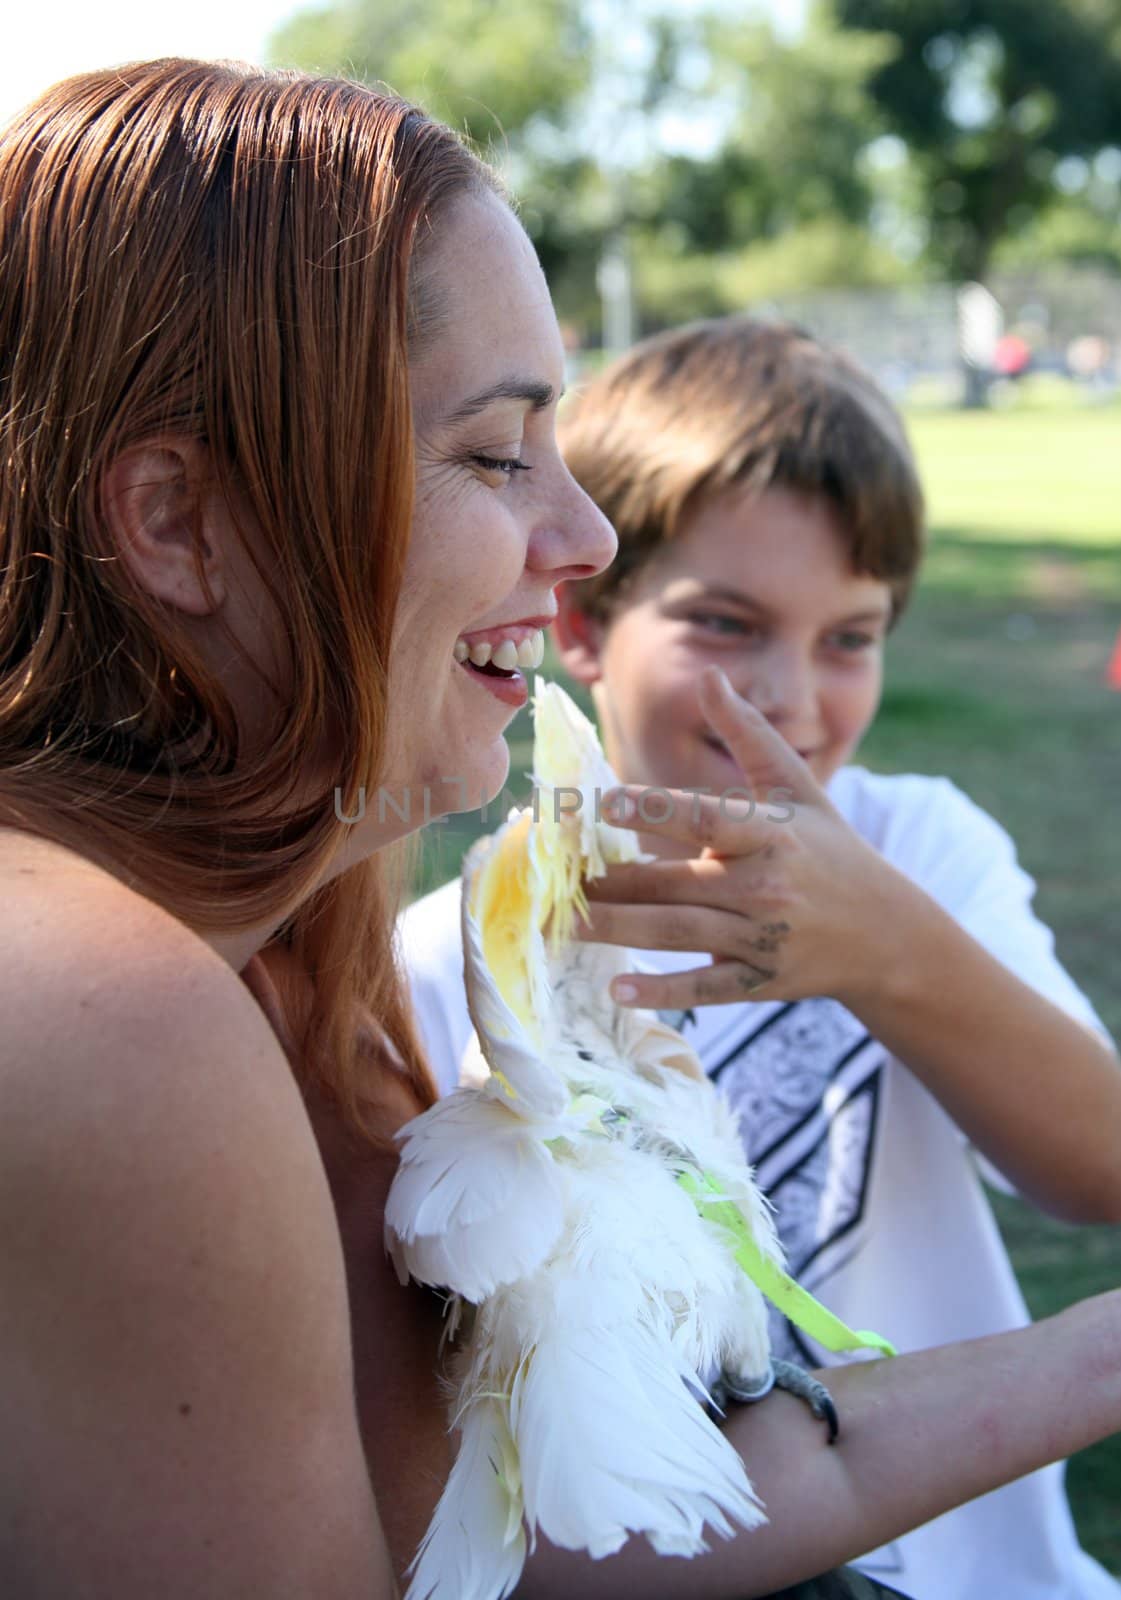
1022 474
995 679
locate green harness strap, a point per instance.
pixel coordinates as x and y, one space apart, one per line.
791 1299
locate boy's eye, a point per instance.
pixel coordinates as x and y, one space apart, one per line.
718 622
851 642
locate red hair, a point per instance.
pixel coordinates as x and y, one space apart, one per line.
230 255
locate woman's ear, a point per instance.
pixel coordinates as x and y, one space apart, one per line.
577 636
154 497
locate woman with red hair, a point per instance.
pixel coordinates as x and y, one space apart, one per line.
263 425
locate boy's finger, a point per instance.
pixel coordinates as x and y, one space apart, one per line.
727 824
722 983
674 927
700 881
767 761
645 882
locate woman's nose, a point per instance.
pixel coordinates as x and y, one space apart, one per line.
576 540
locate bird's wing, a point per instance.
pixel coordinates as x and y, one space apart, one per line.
476 1200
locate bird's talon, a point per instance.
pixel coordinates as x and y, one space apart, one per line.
795 1380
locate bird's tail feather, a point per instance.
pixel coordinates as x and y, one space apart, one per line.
612 1442
474 1548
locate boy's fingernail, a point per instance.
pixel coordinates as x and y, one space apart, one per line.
623 991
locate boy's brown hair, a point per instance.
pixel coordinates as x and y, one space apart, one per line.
731 402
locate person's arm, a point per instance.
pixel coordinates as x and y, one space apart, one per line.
920 1434
1035 1090
792 902
175 1369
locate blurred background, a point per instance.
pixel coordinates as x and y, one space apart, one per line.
935 185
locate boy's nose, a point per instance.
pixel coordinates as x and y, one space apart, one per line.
783 688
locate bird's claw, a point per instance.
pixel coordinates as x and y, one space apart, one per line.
782 1375
796 1380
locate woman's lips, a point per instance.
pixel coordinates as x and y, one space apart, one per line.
508 687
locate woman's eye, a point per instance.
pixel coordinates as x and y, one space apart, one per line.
508 465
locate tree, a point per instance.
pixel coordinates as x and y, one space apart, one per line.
991 96
803 120
501 75
561 94
785 200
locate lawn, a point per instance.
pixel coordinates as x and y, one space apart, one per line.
1014 475
996 679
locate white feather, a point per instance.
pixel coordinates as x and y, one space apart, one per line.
475 1546
612 1442
513 1055
548 1195
476 1201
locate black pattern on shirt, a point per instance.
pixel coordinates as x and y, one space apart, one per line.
807 1081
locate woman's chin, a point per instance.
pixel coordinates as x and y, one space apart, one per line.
490 779
476 784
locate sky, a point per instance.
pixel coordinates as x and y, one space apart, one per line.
54 38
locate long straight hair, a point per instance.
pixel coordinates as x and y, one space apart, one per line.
234 256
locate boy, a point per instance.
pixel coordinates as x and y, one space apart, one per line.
882 1005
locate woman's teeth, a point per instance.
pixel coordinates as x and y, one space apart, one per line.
505 655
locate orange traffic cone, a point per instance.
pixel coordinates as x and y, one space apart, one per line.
1113 671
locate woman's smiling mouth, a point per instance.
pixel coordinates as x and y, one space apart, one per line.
498 658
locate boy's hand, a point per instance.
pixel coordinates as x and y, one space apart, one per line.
786 897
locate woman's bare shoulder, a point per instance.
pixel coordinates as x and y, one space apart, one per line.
83 951
175 1352
110 1005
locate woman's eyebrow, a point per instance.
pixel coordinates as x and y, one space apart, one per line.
538 394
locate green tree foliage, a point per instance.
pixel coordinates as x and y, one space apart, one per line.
991 96
887 137
803 119
786 199
1072 231
815 255
797 122
497 73
561 95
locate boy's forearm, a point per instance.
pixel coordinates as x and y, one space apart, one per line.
919 1435
1034 1090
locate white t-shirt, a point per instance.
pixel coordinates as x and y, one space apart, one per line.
877 1192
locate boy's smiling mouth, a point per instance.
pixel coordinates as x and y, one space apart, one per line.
718 745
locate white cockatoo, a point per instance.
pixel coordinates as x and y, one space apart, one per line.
584 1199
